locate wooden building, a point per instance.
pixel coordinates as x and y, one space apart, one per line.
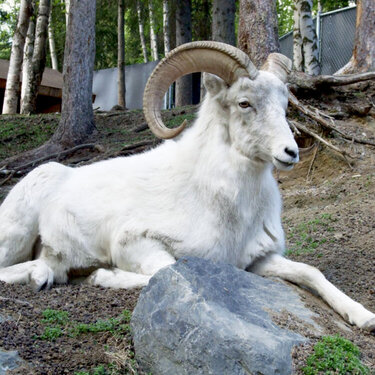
50 90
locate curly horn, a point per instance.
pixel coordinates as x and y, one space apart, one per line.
226 61
279 65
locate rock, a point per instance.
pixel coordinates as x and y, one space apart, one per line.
9 361
199 317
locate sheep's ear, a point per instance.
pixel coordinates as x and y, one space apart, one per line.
213 84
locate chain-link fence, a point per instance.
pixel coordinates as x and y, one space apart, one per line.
336 31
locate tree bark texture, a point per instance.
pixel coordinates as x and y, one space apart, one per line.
223 17
142 32
121 53
167 44
13 78
363 58
153 38
305 44
77 117
28 56
39 58
258 30
183 35
52 44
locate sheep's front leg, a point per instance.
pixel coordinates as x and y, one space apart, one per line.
308 276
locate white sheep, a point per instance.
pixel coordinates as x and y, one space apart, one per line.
208 193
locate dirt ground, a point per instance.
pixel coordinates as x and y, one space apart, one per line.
329 221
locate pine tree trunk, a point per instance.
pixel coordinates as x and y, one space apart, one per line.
38 60
13 78
153 39
183 35
28 56
52 45
309 39
167 44
77 117
121 53
142 33
363 58
258 30
223 16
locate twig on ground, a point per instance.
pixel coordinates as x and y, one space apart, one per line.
312 160
10 176
18 301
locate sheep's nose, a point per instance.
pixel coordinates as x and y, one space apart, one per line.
291 152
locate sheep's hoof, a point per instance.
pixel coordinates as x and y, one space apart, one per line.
370 326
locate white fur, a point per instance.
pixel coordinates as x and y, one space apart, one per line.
210 193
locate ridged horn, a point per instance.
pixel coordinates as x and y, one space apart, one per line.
279 65
226 61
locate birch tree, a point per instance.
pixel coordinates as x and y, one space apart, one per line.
223 16
13 78
167 44
305 45
38 60
28 55
257 30
142 32
153 39
363 58
121 53
183 35
51 40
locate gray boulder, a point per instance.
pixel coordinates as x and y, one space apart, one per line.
199 317
9 361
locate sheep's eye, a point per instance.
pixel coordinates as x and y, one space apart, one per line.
244 104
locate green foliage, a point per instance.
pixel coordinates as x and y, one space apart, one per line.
179 119
51 333
55 317
335 355
305 236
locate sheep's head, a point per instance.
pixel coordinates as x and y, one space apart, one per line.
253 102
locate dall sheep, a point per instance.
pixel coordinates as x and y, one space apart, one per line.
209 192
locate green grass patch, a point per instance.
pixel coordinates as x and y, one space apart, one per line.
179 119
306 237
59 324
335 355
20 133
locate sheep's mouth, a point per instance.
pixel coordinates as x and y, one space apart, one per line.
279 164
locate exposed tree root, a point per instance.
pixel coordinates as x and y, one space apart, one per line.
300 80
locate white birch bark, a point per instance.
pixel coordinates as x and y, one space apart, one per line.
28 56
121 54
154 44
310 50
167 44
28 104
67 10
297 38
13 78
52 45
142 32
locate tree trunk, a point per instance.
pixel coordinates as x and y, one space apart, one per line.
257 30
13 78
121 53
305 46
142 33
153 39
363 58
38 60
77 117
183 35
28 56
52 45
223 15
167 44
67 10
